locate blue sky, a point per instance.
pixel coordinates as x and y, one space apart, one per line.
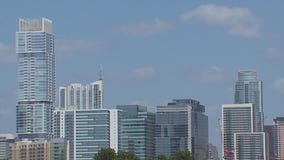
153 52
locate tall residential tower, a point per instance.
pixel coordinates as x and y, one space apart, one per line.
36 78
77 96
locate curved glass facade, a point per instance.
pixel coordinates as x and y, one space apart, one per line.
248 89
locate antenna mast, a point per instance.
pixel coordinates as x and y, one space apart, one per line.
101 73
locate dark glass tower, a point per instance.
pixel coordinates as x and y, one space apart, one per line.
182 125
136 131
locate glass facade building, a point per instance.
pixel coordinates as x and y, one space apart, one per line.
36 78
182 125
87 131
236 118
249 146
137 130
81 97
213 152
248 89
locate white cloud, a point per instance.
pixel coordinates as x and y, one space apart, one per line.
217 69
238 21
144 72
211 74
74 47
7 53
214 73
145 28
273 53
278 85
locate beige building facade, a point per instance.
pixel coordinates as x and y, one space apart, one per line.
40 150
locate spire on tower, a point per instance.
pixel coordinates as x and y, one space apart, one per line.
101 73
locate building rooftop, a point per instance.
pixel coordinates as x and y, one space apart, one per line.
32 25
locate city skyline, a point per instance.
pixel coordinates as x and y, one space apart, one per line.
155 55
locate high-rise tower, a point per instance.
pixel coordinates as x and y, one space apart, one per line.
137 131
36 78
278 138
239 141
182 125
78 96
236 118
248 89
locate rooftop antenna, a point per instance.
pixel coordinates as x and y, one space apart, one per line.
101 73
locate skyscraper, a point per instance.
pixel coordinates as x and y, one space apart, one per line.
271 136
87 131
248 89
36 78
137 130
236 118
182 125
78 96
239 140
278 144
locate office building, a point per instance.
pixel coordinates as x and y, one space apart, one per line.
278 129
270 134
5 141
62 97
250 146
248 89
182 125
59 149
213 152
137 130
78 96
56 149
236 118
36 78
237 125
87 131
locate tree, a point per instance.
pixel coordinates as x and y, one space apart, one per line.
182 155
106 154
162 157
121 155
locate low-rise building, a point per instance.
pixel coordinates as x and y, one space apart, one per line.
56 149
5 141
